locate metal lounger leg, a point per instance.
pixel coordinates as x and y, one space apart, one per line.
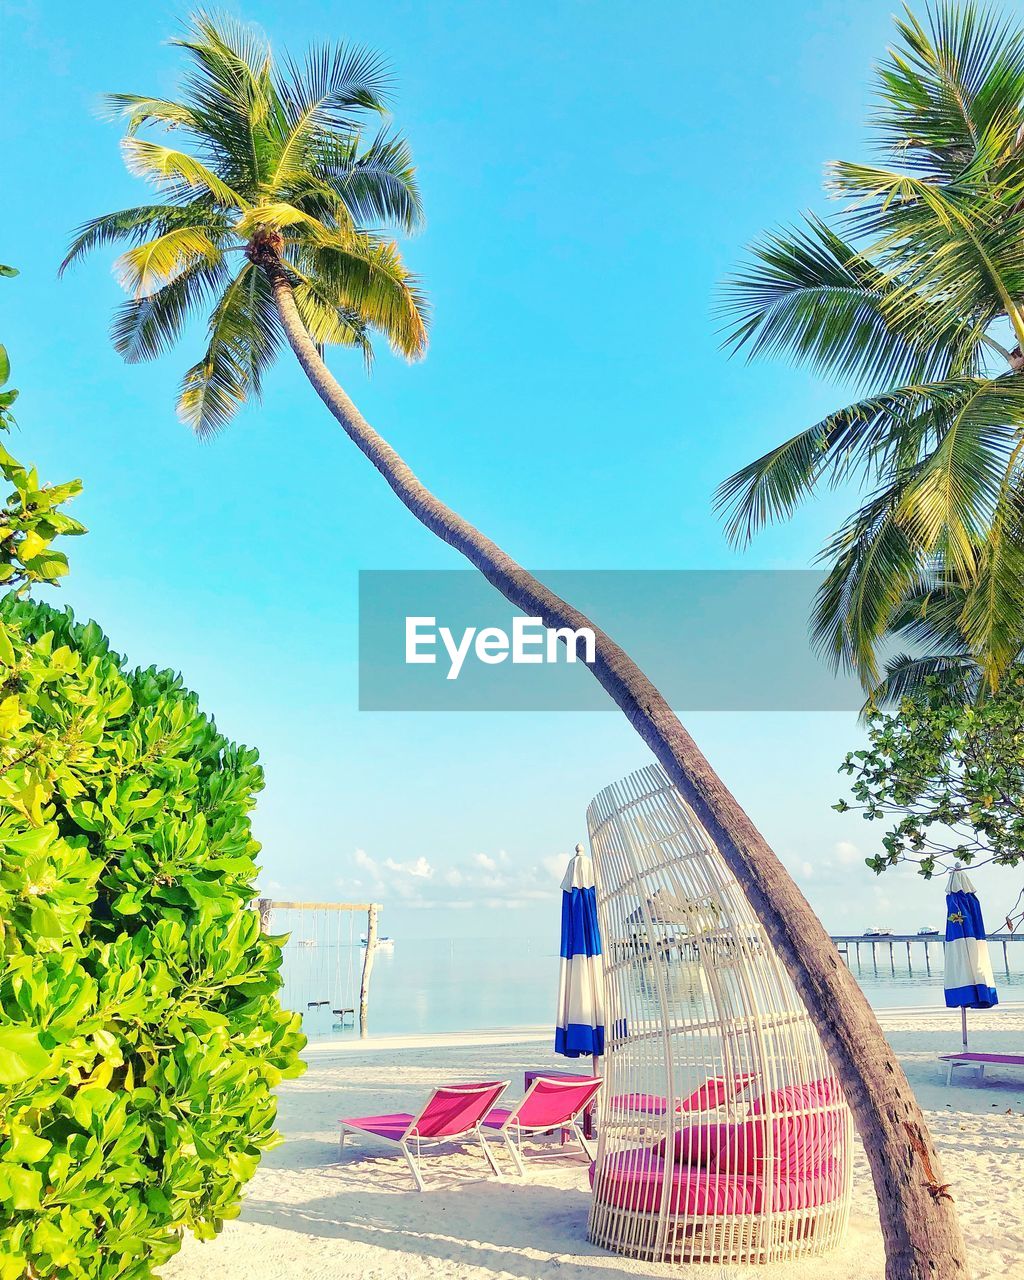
588 1150
514 1152
341 1142
413 1164
489 1154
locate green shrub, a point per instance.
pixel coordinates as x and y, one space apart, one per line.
140 1036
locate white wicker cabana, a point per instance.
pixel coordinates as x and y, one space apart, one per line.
724 1135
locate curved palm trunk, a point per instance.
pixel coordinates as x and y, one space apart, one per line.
919 1224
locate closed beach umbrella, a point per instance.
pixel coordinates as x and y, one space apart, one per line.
968 970
579 1023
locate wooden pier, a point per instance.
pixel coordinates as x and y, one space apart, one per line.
844 941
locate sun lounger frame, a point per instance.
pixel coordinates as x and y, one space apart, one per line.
979 1061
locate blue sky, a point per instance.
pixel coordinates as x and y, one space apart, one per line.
591 171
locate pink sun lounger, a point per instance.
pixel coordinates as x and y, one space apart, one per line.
450 1113
547 1104
713 1093
979 1061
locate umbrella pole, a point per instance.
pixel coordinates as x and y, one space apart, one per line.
963 1023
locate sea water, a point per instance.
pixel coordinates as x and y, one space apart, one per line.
443 984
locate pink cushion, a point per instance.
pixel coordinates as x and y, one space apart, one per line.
809 1191
636 1180
696 1144
797 1097
801 1145
391 1126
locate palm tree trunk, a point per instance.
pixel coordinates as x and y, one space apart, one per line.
919 1224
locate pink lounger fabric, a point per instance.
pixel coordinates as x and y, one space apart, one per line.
393 1126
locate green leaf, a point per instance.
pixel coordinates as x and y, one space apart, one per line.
21 1055
23 1187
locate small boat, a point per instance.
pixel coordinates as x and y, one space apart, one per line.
926 932
878 931
306 942
383 944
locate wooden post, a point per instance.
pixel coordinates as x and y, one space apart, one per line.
364 984
264 906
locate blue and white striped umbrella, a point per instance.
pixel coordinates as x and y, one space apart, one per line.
968 970
579 1022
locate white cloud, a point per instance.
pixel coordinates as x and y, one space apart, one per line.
847 853
555 864
362 859
477 880
419 870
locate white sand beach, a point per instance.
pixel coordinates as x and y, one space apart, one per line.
311 1216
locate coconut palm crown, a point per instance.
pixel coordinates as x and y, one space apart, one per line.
915 295
271 163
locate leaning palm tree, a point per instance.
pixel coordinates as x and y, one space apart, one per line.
915 293
262 222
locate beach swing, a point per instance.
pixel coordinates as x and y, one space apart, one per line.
723 1134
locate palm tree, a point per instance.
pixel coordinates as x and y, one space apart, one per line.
276 174
916 295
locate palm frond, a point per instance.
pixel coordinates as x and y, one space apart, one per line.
908 675
368 276
811 294
329 324
377 186
992 615
874 564
148 267
952 498
144 328
942 89
230 84
331 86
893 428
244 337
961 249
320 98
176 173
137 225
140 110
